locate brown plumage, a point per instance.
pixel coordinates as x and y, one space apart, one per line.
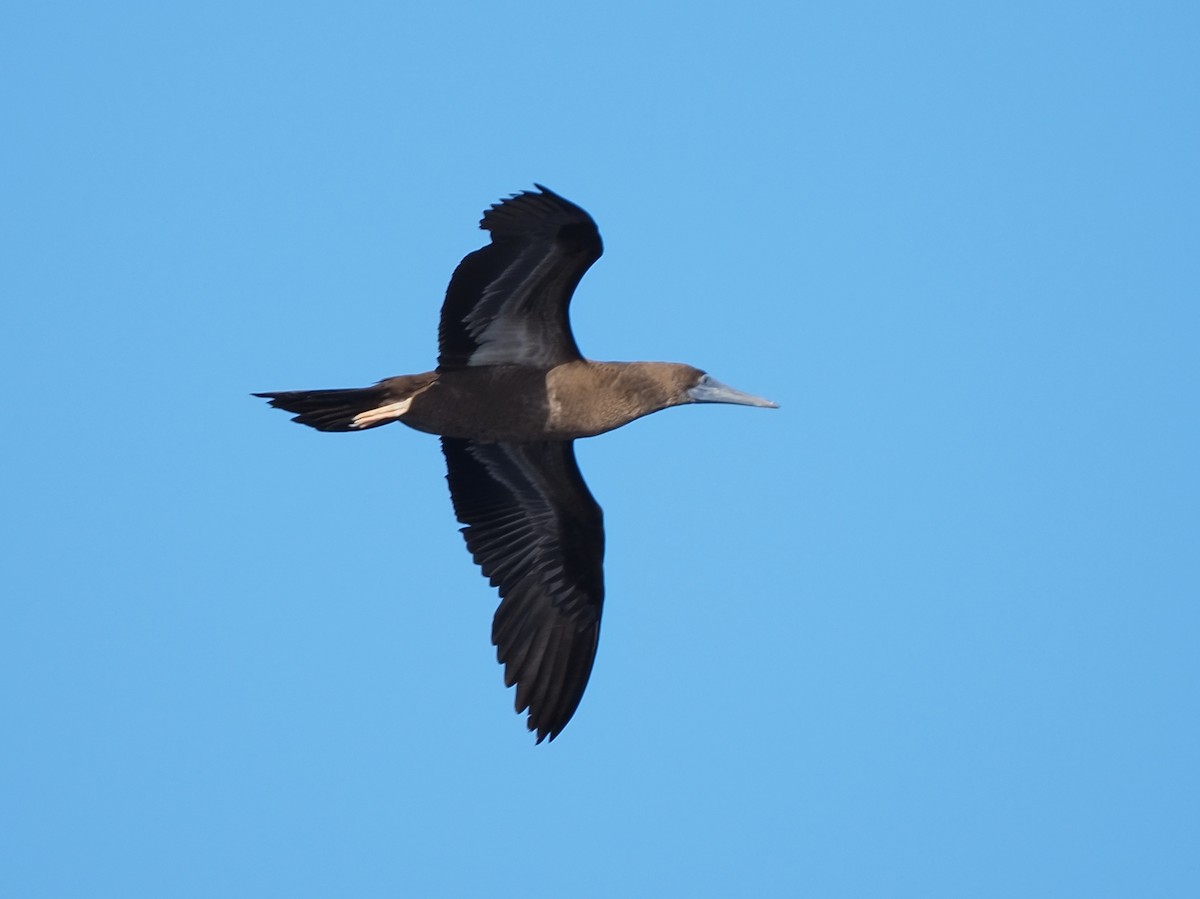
509 396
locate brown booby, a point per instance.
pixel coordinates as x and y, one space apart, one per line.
510 394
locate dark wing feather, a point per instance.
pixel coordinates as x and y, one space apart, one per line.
537 533
507 302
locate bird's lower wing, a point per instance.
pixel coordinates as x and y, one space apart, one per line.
533 527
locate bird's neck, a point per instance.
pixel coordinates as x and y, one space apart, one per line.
589 398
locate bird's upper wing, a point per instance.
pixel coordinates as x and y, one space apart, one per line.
507 302
537 533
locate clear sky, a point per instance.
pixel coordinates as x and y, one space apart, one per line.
928 630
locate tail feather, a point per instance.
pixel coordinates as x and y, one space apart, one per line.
333 410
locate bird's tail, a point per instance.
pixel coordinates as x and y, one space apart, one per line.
355 409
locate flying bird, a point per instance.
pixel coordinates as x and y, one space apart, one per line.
510 395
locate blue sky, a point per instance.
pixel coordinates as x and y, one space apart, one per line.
928 630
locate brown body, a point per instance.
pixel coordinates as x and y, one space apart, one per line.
575 399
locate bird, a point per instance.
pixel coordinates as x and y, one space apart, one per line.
510 395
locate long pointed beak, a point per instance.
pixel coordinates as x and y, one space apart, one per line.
710 390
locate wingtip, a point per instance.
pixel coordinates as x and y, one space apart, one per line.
546 734
483 222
